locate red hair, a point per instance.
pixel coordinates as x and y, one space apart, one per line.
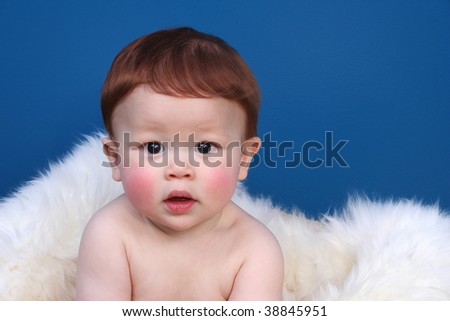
182 62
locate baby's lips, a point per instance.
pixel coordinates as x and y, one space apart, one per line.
179 196
179 202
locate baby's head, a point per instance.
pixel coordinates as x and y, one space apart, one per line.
182 62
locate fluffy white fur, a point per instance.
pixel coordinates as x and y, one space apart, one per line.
370 251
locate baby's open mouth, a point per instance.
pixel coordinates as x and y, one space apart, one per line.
179 202
179 199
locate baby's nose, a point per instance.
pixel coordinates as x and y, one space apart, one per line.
180 165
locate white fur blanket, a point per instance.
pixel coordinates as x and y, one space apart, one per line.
372 250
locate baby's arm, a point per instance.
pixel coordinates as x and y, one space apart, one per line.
261 275
103 272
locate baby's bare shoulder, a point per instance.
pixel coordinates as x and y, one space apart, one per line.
253 231
102 246
260 276
113 217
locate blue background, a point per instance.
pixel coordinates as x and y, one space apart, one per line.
375 73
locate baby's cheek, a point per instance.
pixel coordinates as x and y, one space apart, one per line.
221 181
138 186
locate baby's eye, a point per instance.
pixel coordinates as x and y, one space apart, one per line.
154 147
205 147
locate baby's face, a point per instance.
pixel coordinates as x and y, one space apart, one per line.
180 158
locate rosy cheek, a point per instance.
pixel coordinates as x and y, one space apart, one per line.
138 185
223 178
221 181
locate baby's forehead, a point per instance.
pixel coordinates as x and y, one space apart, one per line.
145 109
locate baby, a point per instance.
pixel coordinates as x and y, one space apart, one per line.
181 109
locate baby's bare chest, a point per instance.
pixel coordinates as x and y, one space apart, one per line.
183 272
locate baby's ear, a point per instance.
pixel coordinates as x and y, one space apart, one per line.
248 150
111 150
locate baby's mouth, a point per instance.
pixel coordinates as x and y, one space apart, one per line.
179 199
179 202
179 196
